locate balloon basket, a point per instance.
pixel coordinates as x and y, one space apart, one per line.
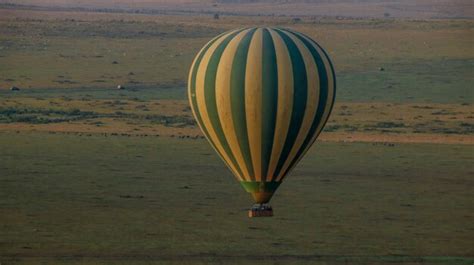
261 210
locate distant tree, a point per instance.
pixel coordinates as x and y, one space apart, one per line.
296 20
216 16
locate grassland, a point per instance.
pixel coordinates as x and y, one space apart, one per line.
145 199
423 93
423 60
90 174
383 122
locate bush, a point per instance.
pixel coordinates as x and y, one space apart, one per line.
390 124
42 116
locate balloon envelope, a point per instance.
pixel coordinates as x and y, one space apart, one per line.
261 97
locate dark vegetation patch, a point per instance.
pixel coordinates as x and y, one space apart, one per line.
434 126
172 121
467 125
443 112
65 81
138 93
340 127
128 196
390 124
43 116
422 107
106 29
446 131
441 128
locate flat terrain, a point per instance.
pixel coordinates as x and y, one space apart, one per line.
90 174
398 80
422 60
145 199
132 116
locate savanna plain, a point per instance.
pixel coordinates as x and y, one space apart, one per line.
93 174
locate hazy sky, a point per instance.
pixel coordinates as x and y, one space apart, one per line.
355 8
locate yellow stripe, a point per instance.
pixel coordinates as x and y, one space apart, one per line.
311 102
224 109
328 101
253 101
190 96
330 90
285 100
202 104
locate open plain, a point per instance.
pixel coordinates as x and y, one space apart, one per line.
92 174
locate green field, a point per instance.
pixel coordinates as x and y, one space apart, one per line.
114 200
90 174
423 60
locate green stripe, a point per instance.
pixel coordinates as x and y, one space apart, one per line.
192 92
333 78
237 98
254 186
300 93
210 97
269 98
323 94
333 72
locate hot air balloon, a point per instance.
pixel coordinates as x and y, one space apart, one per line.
261 96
